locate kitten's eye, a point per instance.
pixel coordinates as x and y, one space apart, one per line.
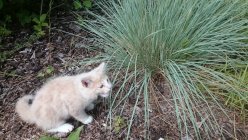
101 86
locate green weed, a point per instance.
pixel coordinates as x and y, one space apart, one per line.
75 135
119 123
239 101
3 29
40 24
46 72
48 138
78 4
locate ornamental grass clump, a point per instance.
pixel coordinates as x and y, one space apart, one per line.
184 42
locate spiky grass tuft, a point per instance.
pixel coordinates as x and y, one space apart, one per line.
185 41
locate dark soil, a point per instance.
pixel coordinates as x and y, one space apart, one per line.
20 75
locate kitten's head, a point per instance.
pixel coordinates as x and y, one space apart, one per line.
96 80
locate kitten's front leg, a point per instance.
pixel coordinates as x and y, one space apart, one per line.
90 107
82 117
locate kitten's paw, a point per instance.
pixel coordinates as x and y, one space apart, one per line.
65 128
88 120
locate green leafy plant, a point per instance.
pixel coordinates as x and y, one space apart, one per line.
40 23
75 135
20 10
180 41
119 123
79 4
48 138
48 71
3 29
236 100
87 3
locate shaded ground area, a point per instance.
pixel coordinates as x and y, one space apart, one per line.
60 54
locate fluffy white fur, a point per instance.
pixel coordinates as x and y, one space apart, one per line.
64 97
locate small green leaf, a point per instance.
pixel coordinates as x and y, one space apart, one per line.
77 5
44 24
37 28
49 69
43 17
48 138
40 33
4 31
41 74
36 20
75 135
87 3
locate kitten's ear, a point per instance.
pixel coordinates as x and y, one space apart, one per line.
101 68
86 82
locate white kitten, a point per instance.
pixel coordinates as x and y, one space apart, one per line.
64 97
